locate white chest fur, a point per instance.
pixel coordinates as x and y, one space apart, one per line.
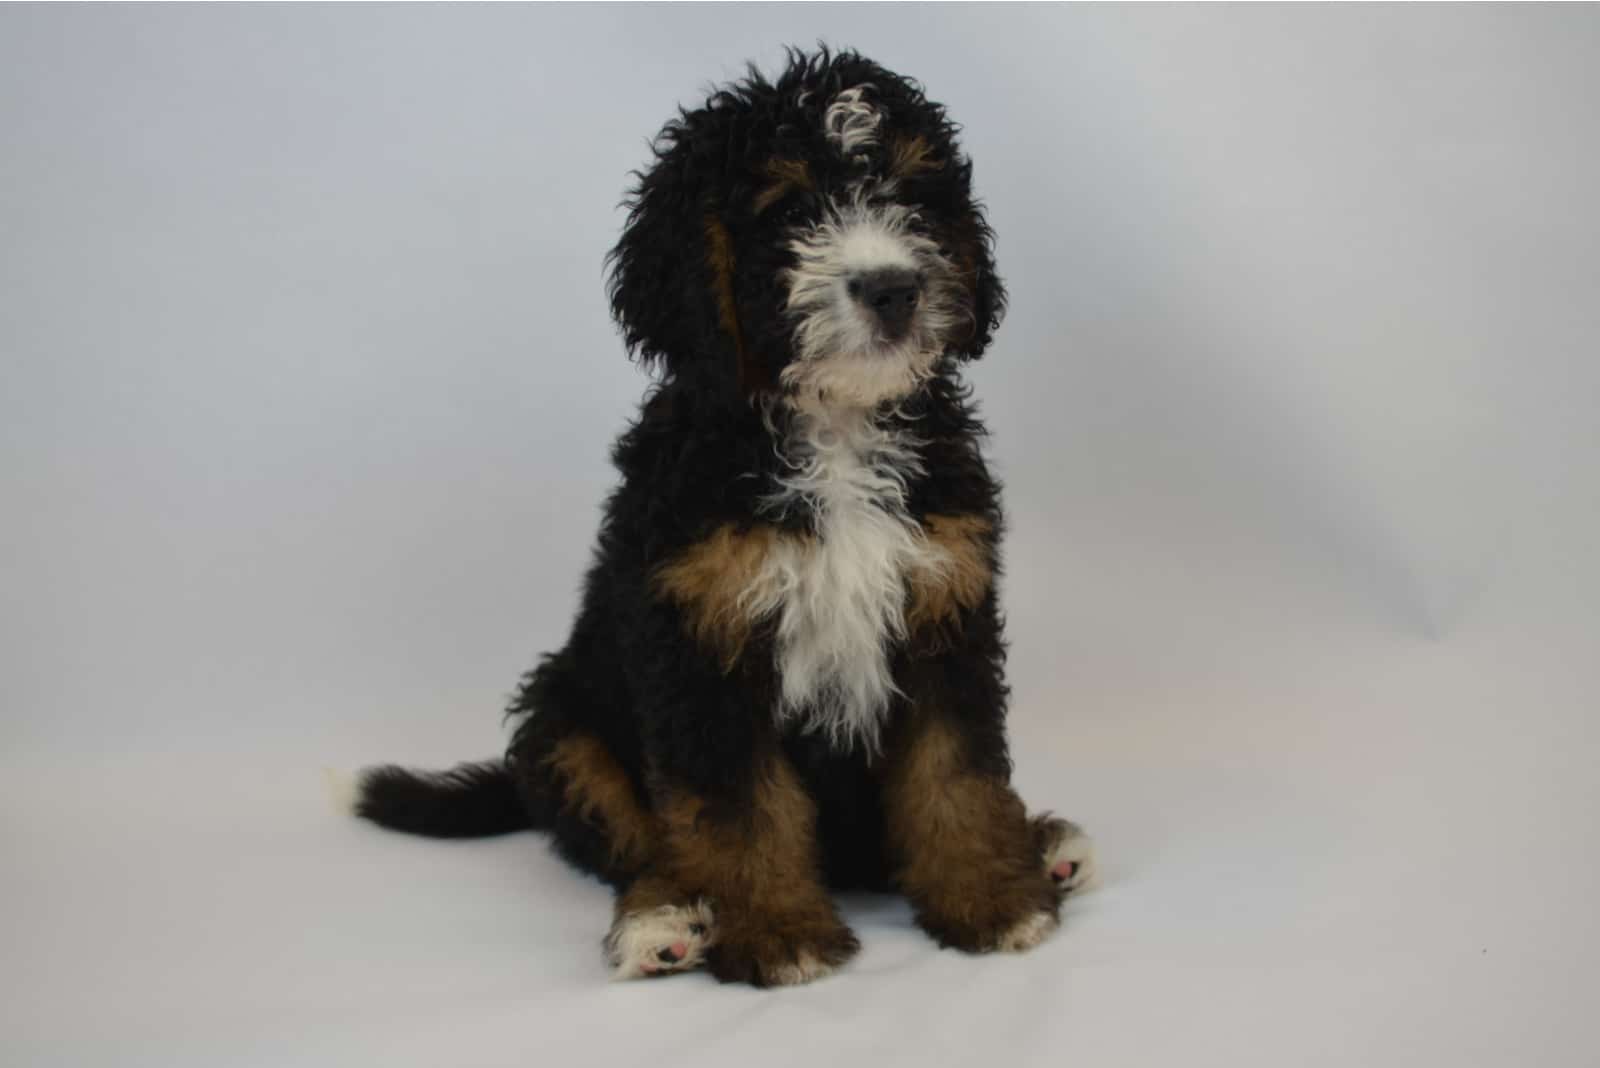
840 598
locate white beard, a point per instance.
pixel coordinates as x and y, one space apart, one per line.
839 357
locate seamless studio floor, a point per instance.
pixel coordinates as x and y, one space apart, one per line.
1324 845
308 386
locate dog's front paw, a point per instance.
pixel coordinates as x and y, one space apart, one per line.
1066 852
660 941
781 950
1005 912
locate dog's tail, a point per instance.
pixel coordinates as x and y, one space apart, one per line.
468 801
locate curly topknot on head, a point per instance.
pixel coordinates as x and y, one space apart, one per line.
815 233
852 122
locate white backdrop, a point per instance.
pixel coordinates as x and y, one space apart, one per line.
308 386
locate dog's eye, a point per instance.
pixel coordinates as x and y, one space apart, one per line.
794 214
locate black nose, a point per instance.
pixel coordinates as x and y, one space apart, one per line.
890 296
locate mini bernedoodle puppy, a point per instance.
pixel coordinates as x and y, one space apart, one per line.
786 674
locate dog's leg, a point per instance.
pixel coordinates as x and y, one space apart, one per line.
753 855
977 870
738 828
600 821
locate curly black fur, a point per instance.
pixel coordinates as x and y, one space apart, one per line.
707 450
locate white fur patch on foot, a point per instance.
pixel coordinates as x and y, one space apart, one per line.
1028 933
1069 857
804 970
672 938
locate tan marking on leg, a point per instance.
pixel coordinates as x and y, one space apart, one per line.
597 789
765 855
759 868
968 857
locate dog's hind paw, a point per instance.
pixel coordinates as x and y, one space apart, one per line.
660 941
1068 853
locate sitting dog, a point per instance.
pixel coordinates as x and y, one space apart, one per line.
786 674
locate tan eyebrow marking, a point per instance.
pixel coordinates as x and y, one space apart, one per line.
909 157
787 175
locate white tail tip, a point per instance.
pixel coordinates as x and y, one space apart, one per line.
343 790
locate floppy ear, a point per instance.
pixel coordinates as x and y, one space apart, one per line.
672 271
986 295
657 283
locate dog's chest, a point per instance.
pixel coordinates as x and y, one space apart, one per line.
839 598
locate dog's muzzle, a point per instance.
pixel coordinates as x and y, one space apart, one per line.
889 297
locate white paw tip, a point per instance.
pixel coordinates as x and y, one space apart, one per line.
672 938
1028 933
342 789
804 970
